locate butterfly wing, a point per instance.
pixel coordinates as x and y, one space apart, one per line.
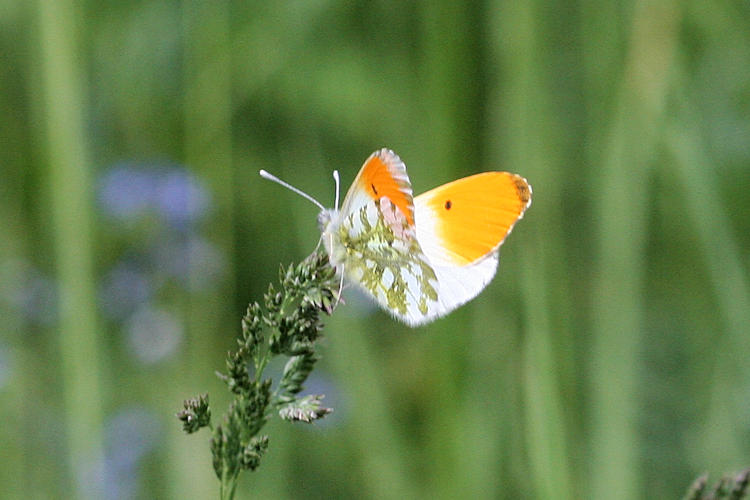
460 227
372 240
383 257
421 258
382 175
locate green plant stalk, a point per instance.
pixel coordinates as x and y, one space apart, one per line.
69 185
621 203
288 325
228 486
15 242
522 58
722 436
545 423
384 452
207 148
228 481
451 73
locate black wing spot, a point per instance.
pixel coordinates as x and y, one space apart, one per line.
373 189
448 205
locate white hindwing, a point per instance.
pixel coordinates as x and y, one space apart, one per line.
458 284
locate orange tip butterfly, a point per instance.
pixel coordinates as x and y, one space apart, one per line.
422 257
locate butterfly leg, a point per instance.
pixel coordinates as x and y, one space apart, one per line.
341 288
320 240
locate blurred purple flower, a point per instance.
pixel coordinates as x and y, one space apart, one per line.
193 260
25 290
130 435
180 197
125 289
128 191
153 334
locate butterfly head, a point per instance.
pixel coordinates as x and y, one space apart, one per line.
328 225
325 217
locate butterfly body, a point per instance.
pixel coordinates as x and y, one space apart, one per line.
422 257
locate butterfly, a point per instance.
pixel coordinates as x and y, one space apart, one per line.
419 257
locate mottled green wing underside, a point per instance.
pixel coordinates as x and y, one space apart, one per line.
384 257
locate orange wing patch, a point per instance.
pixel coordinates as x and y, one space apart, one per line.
383 174
472 216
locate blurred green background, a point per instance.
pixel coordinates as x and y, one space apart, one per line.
610 357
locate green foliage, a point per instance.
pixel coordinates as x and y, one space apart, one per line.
289 326
607 359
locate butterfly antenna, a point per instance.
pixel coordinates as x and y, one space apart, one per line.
275 179
336 178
